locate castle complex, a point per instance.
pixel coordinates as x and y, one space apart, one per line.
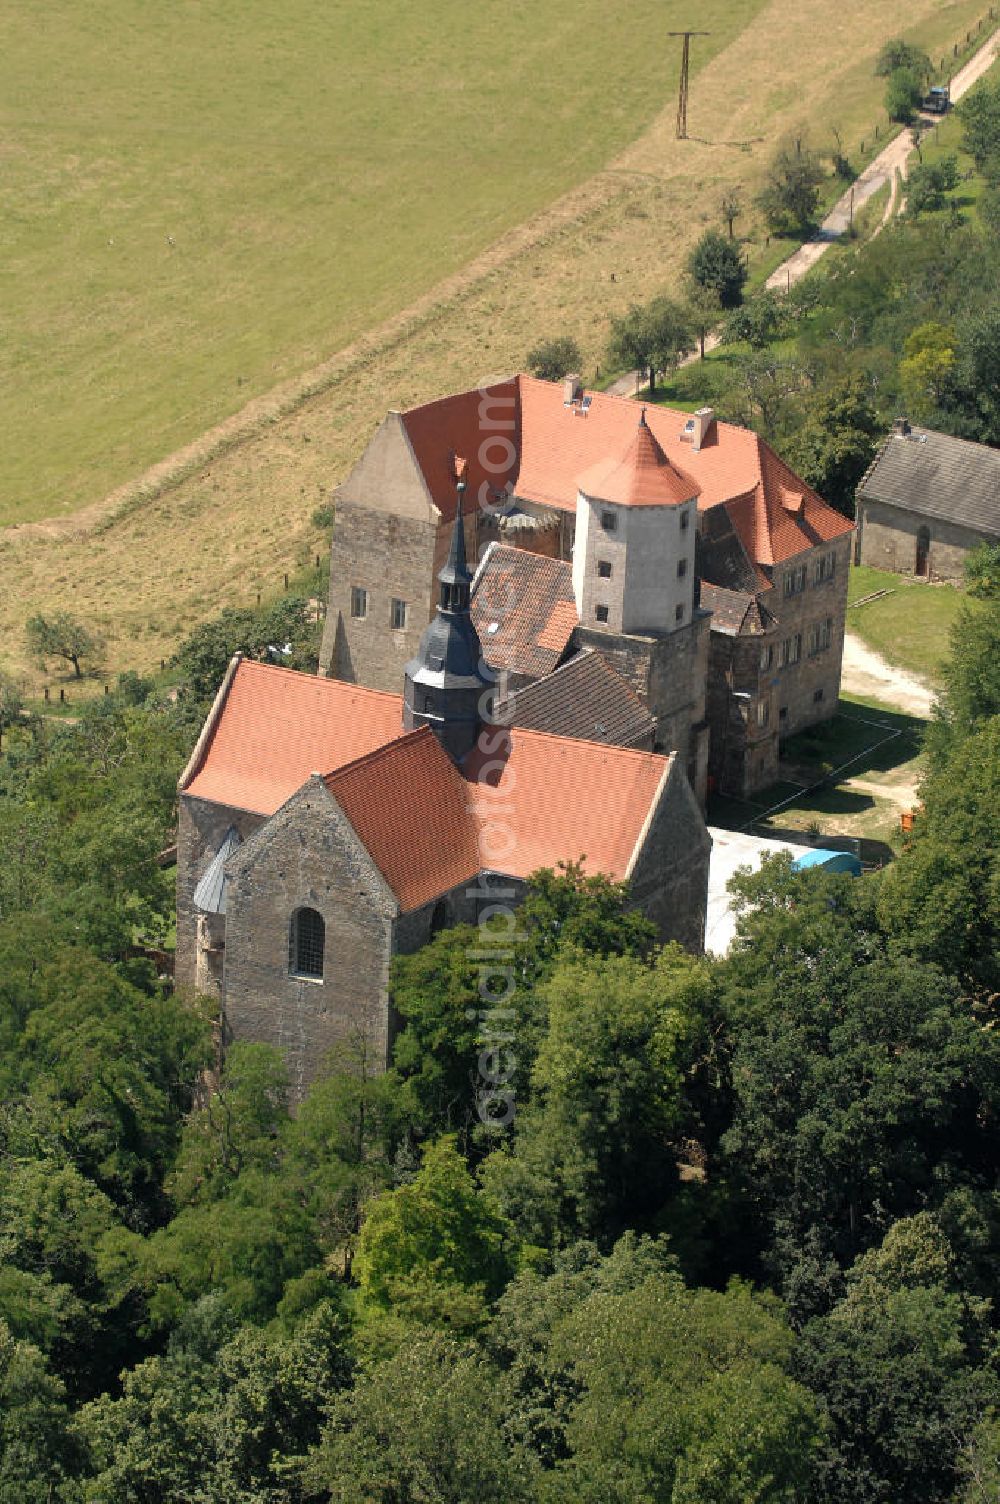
705 574
555 617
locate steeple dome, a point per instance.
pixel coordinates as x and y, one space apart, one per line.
447 684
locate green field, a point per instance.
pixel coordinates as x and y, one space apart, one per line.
201 199
910 626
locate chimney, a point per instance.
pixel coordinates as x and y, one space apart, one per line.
704 420
901 426
572 390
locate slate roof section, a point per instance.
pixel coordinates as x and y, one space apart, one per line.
271 727
735 612
721 558
938 476
587 700
523 609
210 894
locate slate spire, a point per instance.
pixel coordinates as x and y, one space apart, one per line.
447 685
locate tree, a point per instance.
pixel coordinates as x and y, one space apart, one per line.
731 207
939 901
703 308
903 94
594 1150
979 113
861 1079
684 1398
11 705
653 337
896 1367
982 572
928 183
835 442
900 54
928 361
434 1250
716 263
760 321
62 636
38 1455
790 194
425 1425
204 656
552 359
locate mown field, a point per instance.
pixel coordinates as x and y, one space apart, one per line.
200 199
324 203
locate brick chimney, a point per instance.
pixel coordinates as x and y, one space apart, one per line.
704 421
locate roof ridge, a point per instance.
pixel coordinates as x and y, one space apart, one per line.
377 753
633 753
297 673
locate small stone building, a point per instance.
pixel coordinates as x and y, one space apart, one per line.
926 501
325 827
597 528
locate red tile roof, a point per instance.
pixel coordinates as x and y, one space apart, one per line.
410 806
556 445
525 799
641 477
275 727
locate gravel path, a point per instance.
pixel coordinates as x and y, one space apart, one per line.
867 673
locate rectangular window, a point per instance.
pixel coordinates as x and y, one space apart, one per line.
791 650
763 714
359 601
817 695
398 614
601 612
823 568
795 580
678 613
682 568
766 656
609 522
604 569
819 636
783 713
685 520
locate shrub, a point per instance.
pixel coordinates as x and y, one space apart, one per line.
716 263
552 359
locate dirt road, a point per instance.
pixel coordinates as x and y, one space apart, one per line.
882 169
867 673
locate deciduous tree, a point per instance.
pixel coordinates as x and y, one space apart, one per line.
63 636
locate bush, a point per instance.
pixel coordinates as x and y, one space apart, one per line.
790 195
903 95
552 359
716 263
929 182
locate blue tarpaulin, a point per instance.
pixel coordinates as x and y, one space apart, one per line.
830 861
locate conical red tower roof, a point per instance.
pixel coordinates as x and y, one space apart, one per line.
643 477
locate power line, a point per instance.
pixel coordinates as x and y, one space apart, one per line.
682 97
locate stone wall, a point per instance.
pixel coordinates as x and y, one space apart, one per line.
806 692
200 830
307 855
888 540
669 674
670 879
391 558
743 754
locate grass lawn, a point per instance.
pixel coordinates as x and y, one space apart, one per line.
910 627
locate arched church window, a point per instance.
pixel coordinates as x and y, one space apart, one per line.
306 939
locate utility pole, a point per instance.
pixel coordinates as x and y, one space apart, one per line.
682 97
